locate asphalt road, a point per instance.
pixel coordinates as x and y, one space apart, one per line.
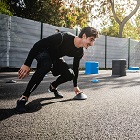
111 111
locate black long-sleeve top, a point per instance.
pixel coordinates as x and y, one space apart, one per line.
58 45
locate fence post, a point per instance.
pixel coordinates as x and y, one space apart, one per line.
8 41
128 52
105 50
76 31
41 36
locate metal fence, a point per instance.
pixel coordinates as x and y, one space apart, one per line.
17 36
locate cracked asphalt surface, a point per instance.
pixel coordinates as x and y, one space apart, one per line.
111 111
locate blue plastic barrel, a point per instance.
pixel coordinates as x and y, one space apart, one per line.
91 67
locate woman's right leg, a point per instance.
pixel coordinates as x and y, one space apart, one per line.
35 80
43 67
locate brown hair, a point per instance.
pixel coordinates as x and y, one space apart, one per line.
89 31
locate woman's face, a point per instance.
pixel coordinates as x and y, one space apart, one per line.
88 41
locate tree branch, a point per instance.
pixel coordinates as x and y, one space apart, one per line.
113 11
132 13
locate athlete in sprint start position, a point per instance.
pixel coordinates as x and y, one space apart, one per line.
49 52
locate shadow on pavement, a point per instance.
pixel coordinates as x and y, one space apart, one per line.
6 113
36 105
31 107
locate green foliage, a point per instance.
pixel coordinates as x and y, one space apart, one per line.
138 24
53 12
112 30
72 16
5 9
129 30
121 11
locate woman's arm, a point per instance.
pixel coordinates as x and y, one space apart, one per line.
76 63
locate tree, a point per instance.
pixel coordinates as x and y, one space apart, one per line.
105 9
73 15
124 20
55 12
110 8
129 30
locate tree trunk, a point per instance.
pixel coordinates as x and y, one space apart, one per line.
123 22
121 26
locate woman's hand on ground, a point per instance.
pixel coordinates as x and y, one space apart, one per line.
77 90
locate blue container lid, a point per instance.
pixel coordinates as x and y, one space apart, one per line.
133 68
95 81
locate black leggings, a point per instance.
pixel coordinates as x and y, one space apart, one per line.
44 65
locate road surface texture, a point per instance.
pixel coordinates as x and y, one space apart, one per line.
111 111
